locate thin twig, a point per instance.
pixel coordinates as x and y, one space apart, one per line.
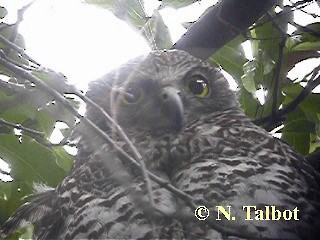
122 91
20 127
277 77
277 71
36 135
124 136
299 5
16 26
18 49
277 26
4 55
62 143
278 117
306 29
11 87
278 15
4 172
303 94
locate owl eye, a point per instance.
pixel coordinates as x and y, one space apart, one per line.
132 96
199 86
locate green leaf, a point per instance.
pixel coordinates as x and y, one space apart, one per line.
231 58
63 159
49 115
252 72
266 49
102 4
55 80
300 141
306 32
296 131
131 11
248 102
42 122
30 161
314 146
157 32
300 125
22 234
13 194
309 106
153 28
8 32
306 46
18 112
177 3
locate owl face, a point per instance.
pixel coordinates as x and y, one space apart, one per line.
162 92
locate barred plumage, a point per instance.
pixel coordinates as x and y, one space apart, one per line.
189 129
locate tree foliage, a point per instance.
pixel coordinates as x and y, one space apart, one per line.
30 108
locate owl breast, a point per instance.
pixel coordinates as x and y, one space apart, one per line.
223 159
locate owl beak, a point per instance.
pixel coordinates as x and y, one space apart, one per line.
172 107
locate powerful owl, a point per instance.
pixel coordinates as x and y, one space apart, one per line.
181 117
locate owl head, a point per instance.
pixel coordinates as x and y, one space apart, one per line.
161 92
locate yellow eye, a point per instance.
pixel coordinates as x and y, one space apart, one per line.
199 86
132 96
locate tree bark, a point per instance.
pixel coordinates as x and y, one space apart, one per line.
222 23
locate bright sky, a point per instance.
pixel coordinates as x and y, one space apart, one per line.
84 42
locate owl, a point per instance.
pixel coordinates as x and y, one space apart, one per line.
189 129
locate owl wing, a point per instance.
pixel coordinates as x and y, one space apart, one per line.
41 212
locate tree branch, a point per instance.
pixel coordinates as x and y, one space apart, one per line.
279 65
18 49
278 117
20 127
220 25
35 134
